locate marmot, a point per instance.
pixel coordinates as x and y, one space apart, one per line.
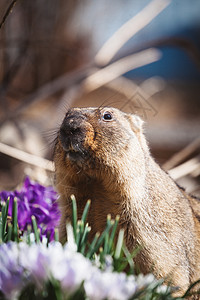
102 154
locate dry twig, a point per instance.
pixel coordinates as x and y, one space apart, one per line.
118 68
182 155
189 167
129 29
27 157
8 11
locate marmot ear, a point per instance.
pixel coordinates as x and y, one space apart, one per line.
136 123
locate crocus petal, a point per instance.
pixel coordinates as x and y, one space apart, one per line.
35 200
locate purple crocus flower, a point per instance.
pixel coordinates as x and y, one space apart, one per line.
35 200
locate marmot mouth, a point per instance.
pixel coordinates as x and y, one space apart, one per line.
75 155
77 137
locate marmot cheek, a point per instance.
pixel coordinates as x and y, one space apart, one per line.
90 139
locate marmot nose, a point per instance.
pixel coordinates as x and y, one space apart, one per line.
72 126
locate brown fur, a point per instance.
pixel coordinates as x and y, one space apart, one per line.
113 167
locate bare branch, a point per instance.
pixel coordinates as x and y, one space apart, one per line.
118 68
129 29
27 157
8 11
189 167
181 155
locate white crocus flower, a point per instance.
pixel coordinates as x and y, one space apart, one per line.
108 285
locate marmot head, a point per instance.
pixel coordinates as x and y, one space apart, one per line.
89 137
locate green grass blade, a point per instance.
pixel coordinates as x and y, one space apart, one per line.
102 237
91 250
106 244
10 230
84 244
128 260
74 215
14 221
7 205
1 228
108 220
85 234
28 234
81 227
101 255
78 234
119 244
56 235
6 213
3 220
35 229
39 232
85 211
109 224
113 233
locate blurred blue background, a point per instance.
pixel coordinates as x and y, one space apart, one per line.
181 19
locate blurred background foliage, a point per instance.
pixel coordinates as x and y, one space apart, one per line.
49 51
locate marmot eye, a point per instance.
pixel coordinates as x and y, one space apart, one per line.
107 116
